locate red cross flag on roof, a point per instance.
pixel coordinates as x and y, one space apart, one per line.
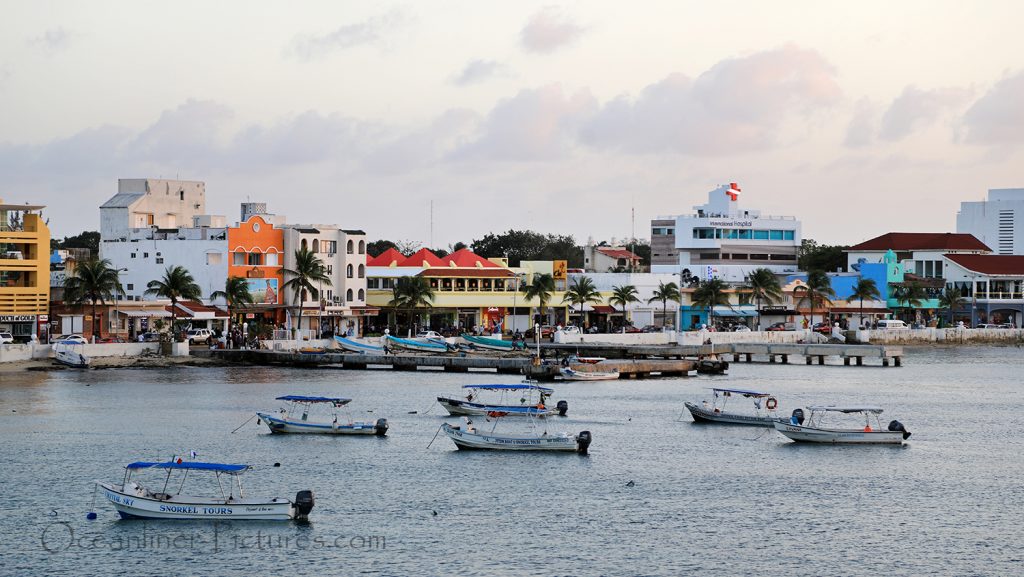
733 192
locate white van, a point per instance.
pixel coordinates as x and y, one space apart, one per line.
891 324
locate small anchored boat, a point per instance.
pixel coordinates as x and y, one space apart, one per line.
71 354
571 374
295 418
532 401
134 501
715 411
815 431
712 366
493 344
419 346
467 436
354 346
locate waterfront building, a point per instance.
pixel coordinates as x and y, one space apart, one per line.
602 259
992 286
997 222
724 240
256 253
24 270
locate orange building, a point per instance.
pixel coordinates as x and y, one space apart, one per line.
256 253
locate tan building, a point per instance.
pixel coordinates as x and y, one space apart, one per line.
24 269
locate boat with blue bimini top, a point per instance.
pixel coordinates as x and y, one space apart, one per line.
135 501
294 418
814 430
764 414
467 437
532 401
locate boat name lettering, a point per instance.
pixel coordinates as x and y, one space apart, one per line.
119 499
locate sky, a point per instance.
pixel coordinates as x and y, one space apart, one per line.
442 121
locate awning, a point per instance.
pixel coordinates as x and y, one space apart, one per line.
604 309
157 313
727 312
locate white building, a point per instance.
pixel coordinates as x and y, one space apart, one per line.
998 222
152 224
723 240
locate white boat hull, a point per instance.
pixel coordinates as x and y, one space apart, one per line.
804 434
139 503
702 415
279 425
354 346
459 408
474 439
71 358
574 375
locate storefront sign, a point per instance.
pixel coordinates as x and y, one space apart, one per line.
559 269
17 318
264 291
731 223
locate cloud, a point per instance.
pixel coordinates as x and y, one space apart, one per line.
863 125
997 118
534 125
189 135
308 47
548 30
423 148
738 105
53 40
915 108
479 70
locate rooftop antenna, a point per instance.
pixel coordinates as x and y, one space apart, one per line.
431 224
632 232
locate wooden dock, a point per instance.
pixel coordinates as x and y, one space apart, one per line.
740 352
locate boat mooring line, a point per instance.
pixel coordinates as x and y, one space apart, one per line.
435 435
245 423
763 433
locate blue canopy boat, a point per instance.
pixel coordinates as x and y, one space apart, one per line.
714 412
295 418
354 346
420 346
134 501
532 401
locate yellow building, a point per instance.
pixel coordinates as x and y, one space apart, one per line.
24 269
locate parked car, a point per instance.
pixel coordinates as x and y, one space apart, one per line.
781 327
571 330
823 328
6 338
430 335
77 339
892 324
651 329
197 336
630 329
111 339
740 329
545 332
150 337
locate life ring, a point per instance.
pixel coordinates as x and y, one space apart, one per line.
771 403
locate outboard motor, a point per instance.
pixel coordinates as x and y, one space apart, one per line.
798 417
563 408
303 504
583 442
898 426
380 428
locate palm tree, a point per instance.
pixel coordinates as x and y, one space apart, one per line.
623 295
763 285
710 294
952 298
864 289
93 280
911 294
309 269
664 293
580 292
176 285
540 288
817 291
411 292
236 293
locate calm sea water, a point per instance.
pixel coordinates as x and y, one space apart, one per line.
713 499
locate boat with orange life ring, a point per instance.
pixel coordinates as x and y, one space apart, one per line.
715 411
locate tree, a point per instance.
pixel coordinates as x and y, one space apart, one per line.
952 298
410 293
176 285
236 293
520 245
711 294
93 280
764 286
407 247
911 294
540 288
623 295
812 256
580 292
378 247
664 293
89 239
309 269
817 291
864 289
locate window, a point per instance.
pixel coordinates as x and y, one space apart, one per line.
330 269
362 295
270 259
790 257
350 247
145 255
362 249
775 235
348 271
758 256
159 261
703 233
130 287
348 295
760 235
254 259
788 235
372 283
709 256
133 255
744 234
316 245
181 195
214 258
238 258
362 271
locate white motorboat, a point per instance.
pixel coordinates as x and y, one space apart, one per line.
531 402
467 436
294 418
71 354
417 345
355 346
493 343
715 411
571 374
814 430
134 501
